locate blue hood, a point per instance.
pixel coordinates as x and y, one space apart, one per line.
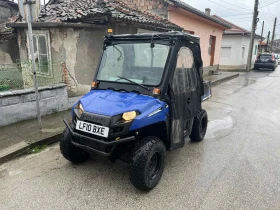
110 103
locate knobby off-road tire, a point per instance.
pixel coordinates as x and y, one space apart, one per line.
148 162
69 151
199 126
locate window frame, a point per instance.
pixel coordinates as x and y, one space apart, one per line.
221 53
256 50
243 52
45 34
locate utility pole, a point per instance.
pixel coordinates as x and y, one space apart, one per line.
262 30
254 23
267 41
260 50
30 10
272 39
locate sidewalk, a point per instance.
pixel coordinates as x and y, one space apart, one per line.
18 138
221 77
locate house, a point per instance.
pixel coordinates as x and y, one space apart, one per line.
69 38
193 21
8 39
235 47
10 74
276 46
263 46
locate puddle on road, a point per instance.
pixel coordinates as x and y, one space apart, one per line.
215 126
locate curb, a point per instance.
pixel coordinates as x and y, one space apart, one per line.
219 81
23 148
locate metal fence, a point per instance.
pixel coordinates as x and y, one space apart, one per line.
19 75
11 77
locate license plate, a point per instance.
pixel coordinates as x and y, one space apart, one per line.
92 128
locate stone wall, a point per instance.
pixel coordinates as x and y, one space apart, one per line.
233 67
20 105
210 70
5 13
9 52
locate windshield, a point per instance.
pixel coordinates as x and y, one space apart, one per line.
138 62
265 57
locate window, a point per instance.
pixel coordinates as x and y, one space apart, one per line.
138 62
256 49
265 57
42 52
243 52
185 75
226 52
210 45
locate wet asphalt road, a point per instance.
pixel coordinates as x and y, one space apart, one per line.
236 167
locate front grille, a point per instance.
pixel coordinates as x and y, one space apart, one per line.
96 119
117 130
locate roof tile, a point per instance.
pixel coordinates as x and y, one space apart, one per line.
234 28
79 11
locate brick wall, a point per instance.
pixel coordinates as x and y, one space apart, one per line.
154 6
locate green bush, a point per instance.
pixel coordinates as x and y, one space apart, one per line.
4 87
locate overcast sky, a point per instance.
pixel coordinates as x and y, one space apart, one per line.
240 12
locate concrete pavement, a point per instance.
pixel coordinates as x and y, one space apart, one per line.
235 167
18 138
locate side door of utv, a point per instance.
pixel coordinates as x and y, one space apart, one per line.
186 99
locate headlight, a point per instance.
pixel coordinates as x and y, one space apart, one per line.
128 116
80 109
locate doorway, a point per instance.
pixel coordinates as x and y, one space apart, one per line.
212 46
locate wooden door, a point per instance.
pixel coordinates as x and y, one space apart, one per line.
212 49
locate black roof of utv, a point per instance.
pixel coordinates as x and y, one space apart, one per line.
164 35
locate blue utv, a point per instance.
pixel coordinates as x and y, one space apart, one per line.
145 100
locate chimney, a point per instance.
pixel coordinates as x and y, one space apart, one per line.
207 11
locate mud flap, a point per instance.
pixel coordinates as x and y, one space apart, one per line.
177 134
207 91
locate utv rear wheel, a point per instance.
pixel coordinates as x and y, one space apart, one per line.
148 162
69 151
199 126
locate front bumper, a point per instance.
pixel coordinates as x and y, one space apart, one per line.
96 145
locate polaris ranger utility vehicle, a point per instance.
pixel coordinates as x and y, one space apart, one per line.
145 99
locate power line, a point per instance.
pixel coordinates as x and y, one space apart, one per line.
269 4
223 6
238 15
265 2
235 5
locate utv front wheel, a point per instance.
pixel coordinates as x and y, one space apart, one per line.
69 151
148 162
199 126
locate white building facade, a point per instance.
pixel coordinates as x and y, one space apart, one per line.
234 52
